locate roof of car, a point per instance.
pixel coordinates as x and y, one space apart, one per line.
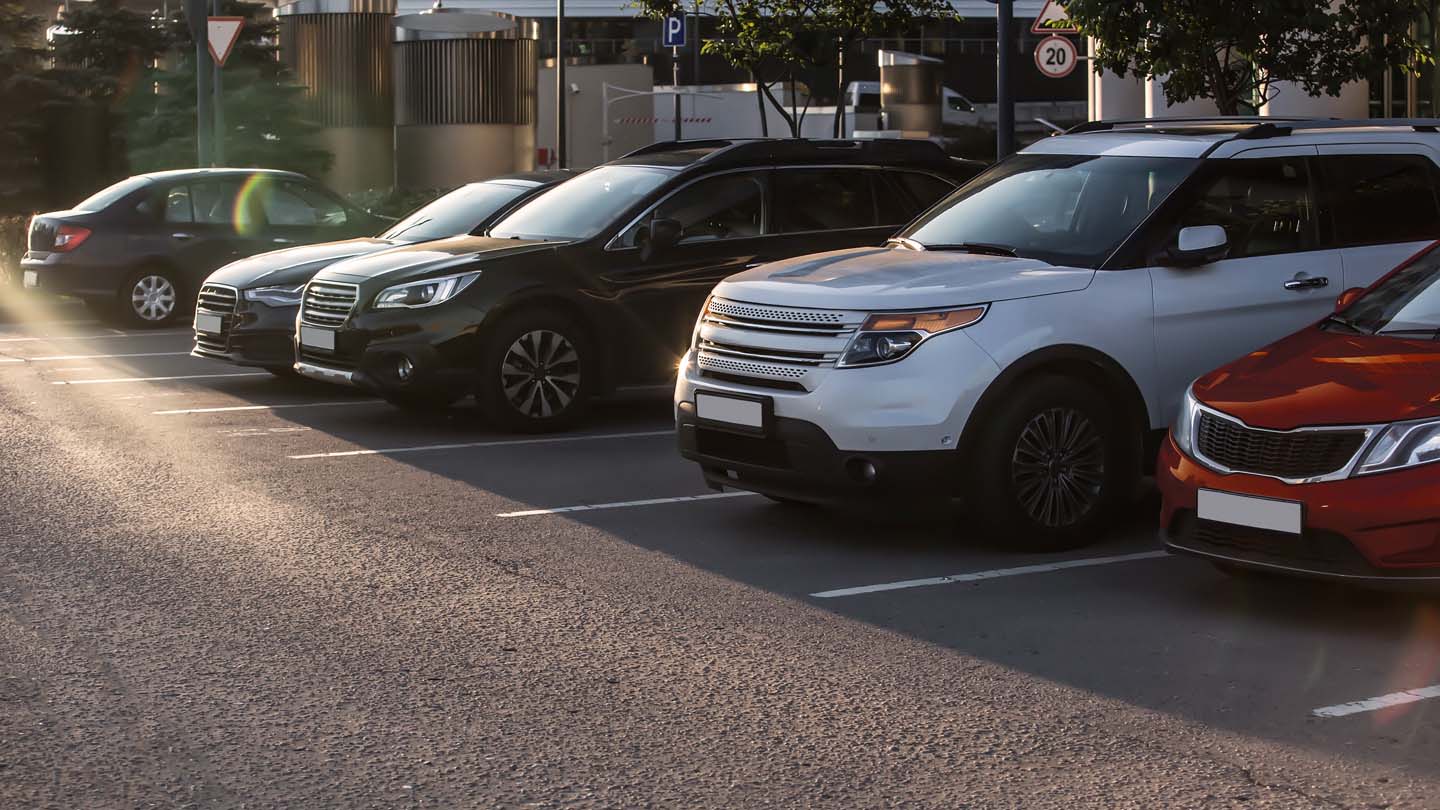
1221 136
544 177
753 151
172 174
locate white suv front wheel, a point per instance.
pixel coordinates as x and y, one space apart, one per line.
1052 466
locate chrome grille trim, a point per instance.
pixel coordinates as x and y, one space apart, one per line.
328 303
1369 433
220 299
769 342
777 355
727 365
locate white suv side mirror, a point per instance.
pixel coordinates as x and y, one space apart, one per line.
1199 244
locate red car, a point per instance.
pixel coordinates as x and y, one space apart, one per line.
1316 455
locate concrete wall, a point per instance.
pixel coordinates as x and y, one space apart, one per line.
448 155
364 157
585 119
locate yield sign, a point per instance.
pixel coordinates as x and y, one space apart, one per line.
1053 19
222 33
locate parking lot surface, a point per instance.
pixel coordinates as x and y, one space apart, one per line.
222 589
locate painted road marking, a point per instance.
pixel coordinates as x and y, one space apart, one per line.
590 507
96 337
234 408
1375 704
466 445
57 357
158 379
1042 568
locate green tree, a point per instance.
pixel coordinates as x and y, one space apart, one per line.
266 120
1232 51
27 89
105 51
847 22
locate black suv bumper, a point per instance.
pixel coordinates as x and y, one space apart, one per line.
256 335
798 461
442 354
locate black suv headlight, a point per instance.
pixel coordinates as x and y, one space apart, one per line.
889 336
426 293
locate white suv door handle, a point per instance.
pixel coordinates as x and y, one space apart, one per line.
1307 283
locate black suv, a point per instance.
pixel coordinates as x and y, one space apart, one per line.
140 248
246 309
596 285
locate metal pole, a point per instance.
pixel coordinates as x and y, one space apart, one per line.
560 149
1004 97
195 17
695 77
219 103
675 82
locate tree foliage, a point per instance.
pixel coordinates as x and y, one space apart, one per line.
1234 51
27 89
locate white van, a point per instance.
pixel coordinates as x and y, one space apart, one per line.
1021 343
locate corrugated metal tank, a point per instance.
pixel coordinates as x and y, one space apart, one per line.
340 51
465 103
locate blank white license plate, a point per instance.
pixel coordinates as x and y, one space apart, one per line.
205 322
743 412
32 278
1256 513
317 338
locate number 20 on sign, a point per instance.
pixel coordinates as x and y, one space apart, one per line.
1056 57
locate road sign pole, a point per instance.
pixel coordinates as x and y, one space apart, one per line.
1004 96
560 89
219 104
675 81
195 17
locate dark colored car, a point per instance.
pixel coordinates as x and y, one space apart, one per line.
140 248
246 309
596 285
1317 455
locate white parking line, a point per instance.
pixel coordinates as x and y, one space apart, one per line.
505 443
57 357
158 379
234 408
590 507
1042 568
1375 704
98 337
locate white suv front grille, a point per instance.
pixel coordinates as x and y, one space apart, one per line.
772 343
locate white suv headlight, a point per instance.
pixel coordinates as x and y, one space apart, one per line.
1183 431
1405 444
280 295
426 293
890 336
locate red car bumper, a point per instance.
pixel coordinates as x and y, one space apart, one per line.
1378 527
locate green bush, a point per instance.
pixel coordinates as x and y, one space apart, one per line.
14 231
393 202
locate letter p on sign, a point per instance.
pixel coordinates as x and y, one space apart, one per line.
675 31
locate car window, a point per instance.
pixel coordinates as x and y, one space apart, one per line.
1265 206
293 204
926 189
109 195
895 207
727 206
460 211
822 200
214 201
178 205
583 207
1375 199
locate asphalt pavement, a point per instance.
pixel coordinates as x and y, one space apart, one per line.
222 589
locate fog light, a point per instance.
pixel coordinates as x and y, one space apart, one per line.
862 470
404 369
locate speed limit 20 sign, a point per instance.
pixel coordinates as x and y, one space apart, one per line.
1056 57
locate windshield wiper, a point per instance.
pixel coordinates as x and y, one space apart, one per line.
1341 320
983 248
1430 333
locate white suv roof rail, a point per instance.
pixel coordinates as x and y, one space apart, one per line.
1255 126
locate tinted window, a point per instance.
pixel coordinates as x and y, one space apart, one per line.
1407 300
822 200
925 189
585 206
107 196
177 205
895 207
214 201
1264 205
459 212
1063 209
727 206
286 208
1375 199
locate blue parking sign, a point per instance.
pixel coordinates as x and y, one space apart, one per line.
675 31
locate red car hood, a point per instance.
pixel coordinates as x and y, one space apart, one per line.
1315 377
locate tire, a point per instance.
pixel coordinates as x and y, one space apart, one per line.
537 372
1053 465
150 298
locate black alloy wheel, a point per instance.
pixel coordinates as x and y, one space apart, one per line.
536 373
1058 467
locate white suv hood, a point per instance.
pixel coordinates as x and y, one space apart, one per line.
897 278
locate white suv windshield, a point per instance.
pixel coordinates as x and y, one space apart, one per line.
1070 210
583 207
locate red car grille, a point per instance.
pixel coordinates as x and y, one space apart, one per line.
1302 454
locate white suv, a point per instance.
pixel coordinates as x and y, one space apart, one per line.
1021 342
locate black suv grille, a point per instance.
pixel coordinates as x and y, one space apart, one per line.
1314 547
217 299
328 303
1306 454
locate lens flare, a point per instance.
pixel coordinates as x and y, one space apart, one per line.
249 212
